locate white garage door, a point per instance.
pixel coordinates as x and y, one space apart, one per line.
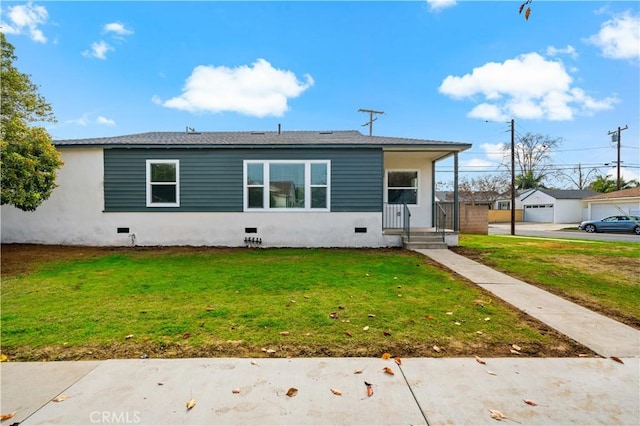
538 213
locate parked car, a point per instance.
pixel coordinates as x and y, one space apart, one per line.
613 224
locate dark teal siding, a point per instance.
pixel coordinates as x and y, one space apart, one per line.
211 179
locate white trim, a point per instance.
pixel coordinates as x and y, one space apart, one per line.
266 190
417 188
149 183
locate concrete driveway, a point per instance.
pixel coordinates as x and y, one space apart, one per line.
558 230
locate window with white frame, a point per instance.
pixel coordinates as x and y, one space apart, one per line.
402 187
280 185
163 183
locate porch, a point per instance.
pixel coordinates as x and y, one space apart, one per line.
396 219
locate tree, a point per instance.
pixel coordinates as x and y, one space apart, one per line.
28 160
532 159
580 178
604 183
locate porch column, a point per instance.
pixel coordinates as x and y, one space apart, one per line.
433 193
456 208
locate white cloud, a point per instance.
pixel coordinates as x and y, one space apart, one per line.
569 50
105 121
26 18
619 37
438 5
528 86
98 50
493 151
258 90
117 28
477 163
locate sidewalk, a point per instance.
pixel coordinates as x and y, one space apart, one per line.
430 391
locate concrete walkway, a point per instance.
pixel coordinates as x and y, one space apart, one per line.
430 391
434 391
601 334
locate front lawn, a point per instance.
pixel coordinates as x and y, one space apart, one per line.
603 276
108 303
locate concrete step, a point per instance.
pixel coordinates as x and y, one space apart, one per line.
413 245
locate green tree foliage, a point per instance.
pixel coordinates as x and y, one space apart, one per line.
604 183
529 181
28 160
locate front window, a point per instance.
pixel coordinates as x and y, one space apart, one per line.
286 185
402 187
163 187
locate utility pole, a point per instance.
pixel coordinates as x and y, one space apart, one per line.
371 119
617 137
513 180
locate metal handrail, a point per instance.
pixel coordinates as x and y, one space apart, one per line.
406 226
441 228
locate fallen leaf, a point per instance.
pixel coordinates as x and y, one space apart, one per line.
366 275
398 360
333 315
236 390
186 335
144 356
491 372
160 384
145 339
60 398
436 348
254 362
582 355
365 328
399 295
348 334
336 392
516 347
487 319
457 323
388 371
513 351
369 388
428 316
209 308
292 392
359 371
371 316
191 403
3 358
7 416
270 351
284 333
386 355
128 336
530 402
479 333
480 360
449 313
495 414
616 359
386 333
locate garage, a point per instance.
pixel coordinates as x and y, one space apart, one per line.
538 213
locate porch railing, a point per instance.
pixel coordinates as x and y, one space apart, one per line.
441 220
397 216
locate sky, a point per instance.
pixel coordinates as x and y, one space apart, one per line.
440 70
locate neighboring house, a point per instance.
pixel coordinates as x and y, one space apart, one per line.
471 198
625 201
294 189
554 205
503 202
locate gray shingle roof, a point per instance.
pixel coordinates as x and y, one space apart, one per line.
288 138
568 194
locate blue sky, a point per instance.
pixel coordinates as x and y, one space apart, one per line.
438 69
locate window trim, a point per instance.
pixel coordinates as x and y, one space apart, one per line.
417 188
150 203
266 182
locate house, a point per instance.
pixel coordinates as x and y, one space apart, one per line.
286 189
626 201
554 205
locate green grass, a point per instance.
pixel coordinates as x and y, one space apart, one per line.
248 297
601 275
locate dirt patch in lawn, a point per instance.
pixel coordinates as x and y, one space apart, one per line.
622 267
22 259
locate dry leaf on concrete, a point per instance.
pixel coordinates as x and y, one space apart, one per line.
292 392
191 403
388 371
60 398
336 392
480 360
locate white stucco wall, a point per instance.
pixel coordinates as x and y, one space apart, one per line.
568 211
407 161
74 216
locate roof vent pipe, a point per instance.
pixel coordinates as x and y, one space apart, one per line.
279 128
